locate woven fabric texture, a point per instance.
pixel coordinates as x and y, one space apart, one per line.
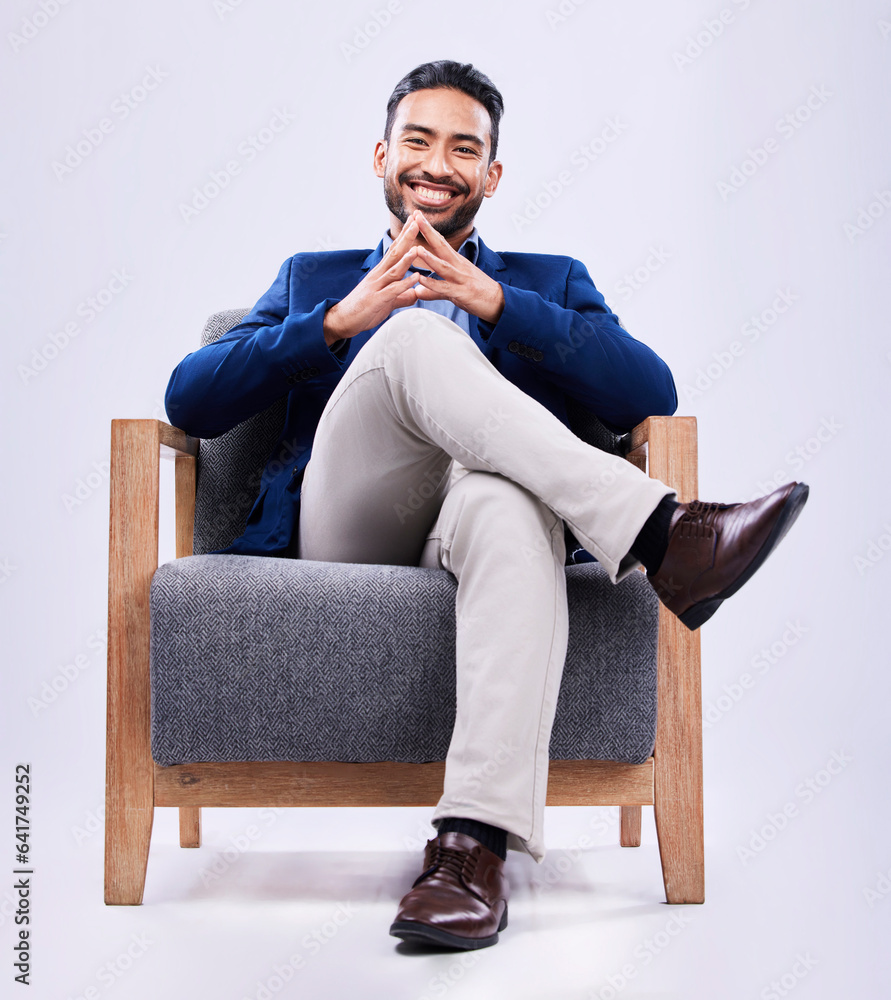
230 466
257 658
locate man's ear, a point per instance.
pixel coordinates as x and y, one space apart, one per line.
379 160
492 178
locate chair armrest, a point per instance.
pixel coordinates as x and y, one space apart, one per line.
666 448
136 448
173 439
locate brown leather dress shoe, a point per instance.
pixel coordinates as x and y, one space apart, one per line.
714 548
459 900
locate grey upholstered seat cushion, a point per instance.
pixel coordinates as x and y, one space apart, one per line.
256 658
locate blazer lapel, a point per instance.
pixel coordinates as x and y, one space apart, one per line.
375 257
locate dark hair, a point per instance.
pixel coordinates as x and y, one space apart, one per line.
449 75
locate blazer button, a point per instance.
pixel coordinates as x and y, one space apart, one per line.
313 372
513 347
537 355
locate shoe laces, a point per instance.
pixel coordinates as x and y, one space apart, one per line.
461 864
699 518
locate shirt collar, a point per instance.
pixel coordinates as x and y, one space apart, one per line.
470 248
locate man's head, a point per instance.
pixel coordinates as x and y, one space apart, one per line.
440 140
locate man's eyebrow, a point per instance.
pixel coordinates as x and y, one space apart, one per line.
459 136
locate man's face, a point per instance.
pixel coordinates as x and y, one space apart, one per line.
437 160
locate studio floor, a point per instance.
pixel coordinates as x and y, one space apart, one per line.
289 903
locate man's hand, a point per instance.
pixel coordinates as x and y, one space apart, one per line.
381 291
459 281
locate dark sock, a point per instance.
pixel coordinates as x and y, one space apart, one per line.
491 837
650 545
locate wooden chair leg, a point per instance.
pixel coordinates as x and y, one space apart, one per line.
672 458
133 558
189 826
128 833
678 765
629 835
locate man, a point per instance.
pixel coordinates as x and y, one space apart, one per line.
432 367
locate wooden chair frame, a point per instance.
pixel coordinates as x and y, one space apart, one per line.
670 780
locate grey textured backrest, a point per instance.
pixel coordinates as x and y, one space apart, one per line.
230 466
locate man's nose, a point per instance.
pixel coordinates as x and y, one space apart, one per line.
437 162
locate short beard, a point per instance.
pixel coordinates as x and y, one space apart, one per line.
447 226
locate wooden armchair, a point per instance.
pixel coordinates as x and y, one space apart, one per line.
670 780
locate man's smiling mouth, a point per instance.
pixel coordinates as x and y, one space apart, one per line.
437 196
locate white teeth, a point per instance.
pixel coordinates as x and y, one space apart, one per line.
435 195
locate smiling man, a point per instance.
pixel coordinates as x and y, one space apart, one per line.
428 384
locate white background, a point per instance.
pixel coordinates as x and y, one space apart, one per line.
808 909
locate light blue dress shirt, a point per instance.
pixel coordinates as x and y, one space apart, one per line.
470 249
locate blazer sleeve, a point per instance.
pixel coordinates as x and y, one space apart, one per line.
269 354
585 351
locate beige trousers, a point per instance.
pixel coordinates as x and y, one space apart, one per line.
427 455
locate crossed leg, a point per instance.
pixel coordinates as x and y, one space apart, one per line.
426 455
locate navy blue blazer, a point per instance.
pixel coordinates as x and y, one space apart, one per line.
555 338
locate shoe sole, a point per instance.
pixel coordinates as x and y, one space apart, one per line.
417 933
703 610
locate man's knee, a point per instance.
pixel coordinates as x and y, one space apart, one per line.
493 497
408 329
